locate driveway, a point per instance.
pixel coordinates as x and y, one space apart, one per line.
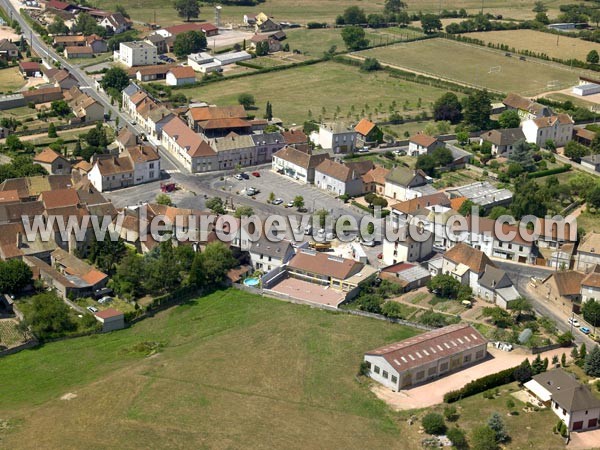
432 393
586 440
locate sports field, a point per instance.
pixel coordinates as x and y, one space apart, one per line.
231 370
329 85
555 46
319 10
476 65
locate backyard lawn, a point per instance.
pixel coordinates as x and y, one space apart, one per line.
11 80
476 65
322 89
230 370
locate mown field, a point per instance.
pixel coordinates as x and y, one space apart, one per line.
319 10
295 92
11 80
230 370
563 47
472 64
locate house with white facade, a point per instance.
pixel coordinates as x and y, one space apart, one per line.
465 264
146 163
341 179
570 400
188 147
426 357
503 141
413 246
527 109
180 76
115 23
588 252
422 144
297 164
338 137
136 53
266 255
496 287
590 286
403 183
558 129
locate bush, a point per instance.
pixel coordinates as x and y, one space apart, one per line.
433 423
458 438
481 385
314 25
545 173
450 413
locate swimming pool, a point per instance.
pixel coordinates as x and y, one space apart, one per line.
252 282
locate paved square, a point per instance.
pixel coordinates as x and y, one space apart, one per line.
308 292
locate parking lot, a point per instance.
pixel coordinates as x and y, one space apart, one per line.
286 189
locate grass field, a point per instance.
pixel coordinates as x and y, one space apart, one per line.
231 370
11 80
472 64
575 99
319 10
563 47
328 85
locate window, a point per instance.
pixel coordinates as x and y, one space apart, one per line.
394 379
431 371
443 367
420 375
467 358
368 364
479 354
384 374
376 369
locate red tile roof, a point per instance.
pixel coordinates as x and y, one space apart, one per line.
364 127
324 264
186 138
29 65
59 198
47 156
193 26
108 313
423 140
183 72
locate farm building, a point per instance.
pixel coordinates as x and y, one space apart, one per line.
111 319
586 89
427 356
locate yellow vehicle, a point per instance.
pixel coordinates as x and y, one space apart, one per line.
320 246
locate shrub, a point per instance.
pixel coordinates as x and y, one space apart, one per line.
433 423
481 385
450 413
458 438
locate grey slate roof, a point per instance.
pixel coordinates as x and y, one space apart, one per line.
267 139
494 278
274 249
403 176
507 136
567 391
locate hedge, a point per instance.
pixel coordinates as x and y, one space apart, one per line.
384 212
545 173
481 384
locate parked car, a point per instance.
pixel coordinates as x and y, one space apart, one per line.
105 299
238 176
289 204
245 176
585 330
308 230
251 191
277 201
364 150
256 174
368 243
573 322
92 309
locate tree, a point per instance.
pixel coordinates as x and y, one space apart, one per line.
519 305
322 215
592 363
593 197
353 15
509 119
575 151
595 17
58 27
298 201
582 351
354 38
591 312
393 6
210 267
243 211
445 286
187 9
127 281
462 137
115 78
448 107
563 360
498 316
49 316
269 111
15 275
542 18
477 108
497 425
375 20
216 205
162 271
523 372
164 199
433 423
539 6
430 23
498 211
121 10
52 130
246 100
450 413
370 65
528 199
87 25
458 438
427 164
189 42
483 438
466 209
592 57
565 339
61 108
442 156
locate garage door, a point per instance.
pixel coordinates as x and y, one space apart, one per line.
578 425
593 423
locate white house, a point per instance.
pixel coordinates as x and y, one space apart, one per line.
116 23
297 164
557 128
503 141
590 286
403 184
408 249
496 287
340 179
337 136
570 400
588 252
421 144
146 163
137 53
465 264
266 255
180 75
188 147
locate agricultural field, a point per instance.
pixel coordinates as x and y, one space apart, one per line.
322 89
563 47
11 80
230 370
317 10
475 65
575 99
10 335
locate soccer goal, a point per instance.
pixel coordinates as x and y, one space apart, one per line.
495 69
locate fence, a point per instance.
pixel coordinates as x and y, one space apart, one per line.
29 344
